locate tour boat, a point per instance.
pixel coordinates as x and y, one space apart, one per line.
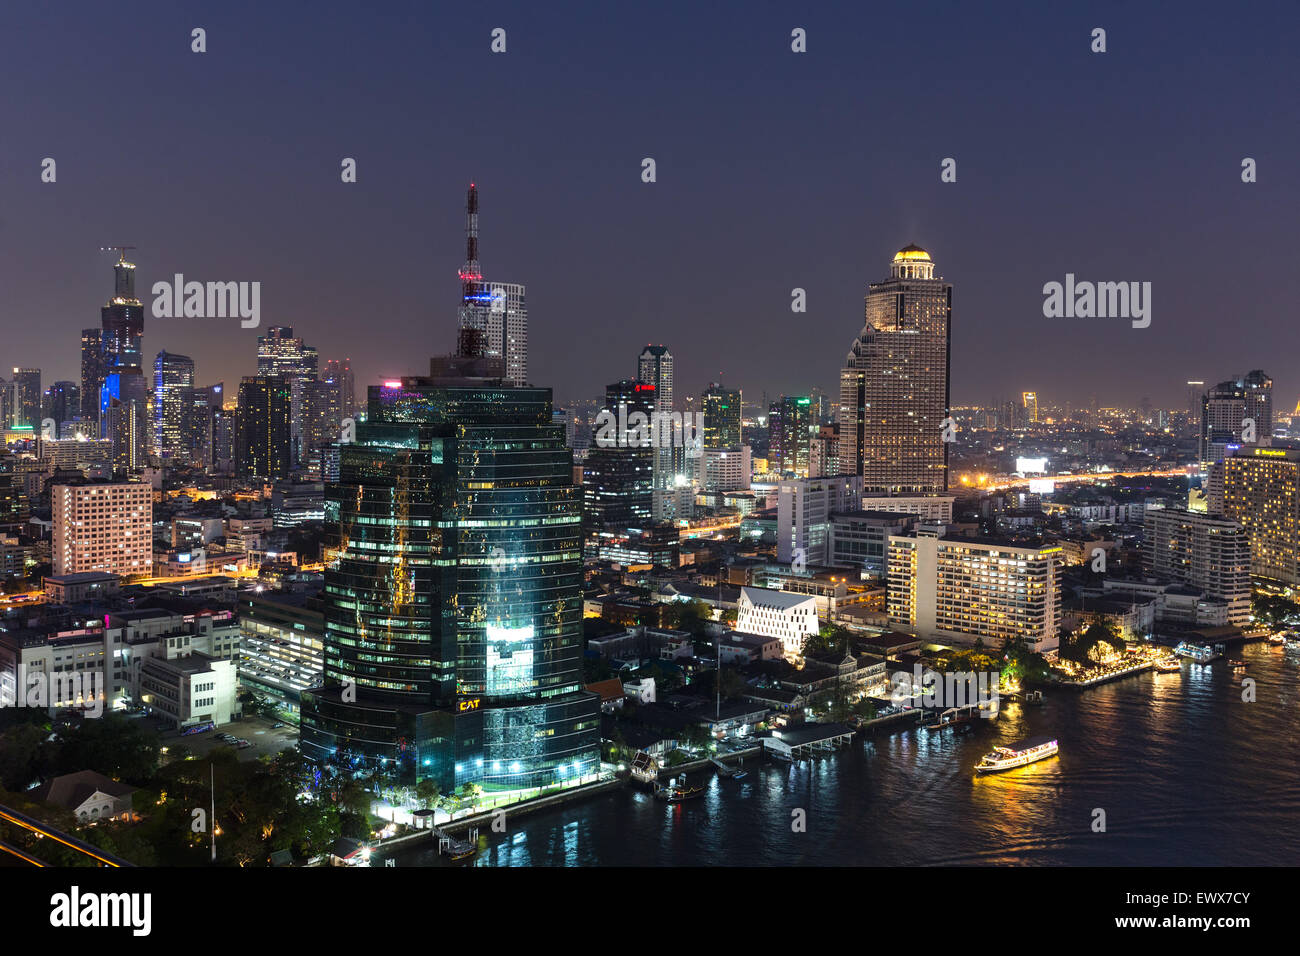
1168 665
1197 653
1017 755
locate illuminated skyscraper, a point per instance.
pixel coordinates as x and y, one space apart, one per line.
62 402
1030 402
789 435
340 372
1259 488
27 398
124 416
262 432
92 372
121 320
722 417
894 385
655 367
173 379
453 626
618 472
1236 413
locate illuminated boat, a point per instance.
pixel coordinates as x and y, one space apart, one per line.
1197 653
1168 665
1017 755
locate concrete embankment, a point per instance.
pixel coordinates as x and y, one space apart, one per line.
547 802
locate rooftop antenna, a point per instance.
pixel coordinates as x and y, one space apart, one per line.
470 274
120 250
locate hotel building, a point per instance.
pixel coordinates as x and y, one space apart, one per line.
1260 489
104 526
894 384
958 589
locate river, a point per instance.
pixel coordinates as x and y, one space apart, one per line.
1184 770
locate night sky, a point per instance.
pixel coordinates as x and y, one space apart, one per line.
775 170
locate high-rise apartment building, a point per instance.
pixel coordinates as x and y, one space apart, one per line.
200 406
124 416
894 385
618 472
723 469
1235 414
655 367
173 381
722 417
339 371
1260 489
1205 551
322 417
104 526
789 435
92 372
62 402
262 432
803 516
958 589
27 398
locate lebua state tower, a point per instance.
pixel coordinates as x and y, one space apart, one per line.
894 384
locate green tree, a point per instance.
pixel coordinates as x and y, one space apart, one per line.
426 791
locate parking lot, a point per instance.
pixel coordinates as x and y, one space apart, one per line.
257 731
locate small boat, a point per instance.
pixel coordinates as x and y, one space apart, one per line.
740 775
1017 755
1279 638
1236 663
1168 665
676 792
952 717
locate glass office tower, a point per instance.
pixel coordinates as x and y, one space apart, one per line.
453 628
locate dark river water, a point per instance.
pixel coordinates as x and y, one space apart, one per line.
1185 771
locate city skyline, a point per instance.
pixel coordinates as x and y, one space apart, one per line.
612 262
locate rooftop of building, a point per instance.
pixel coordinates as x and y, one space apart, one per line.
73 789
778 600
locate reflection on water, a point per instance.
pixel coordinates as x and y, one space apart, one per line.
1185 771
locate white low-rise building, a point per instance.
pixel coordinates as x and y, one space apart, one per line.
780 614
